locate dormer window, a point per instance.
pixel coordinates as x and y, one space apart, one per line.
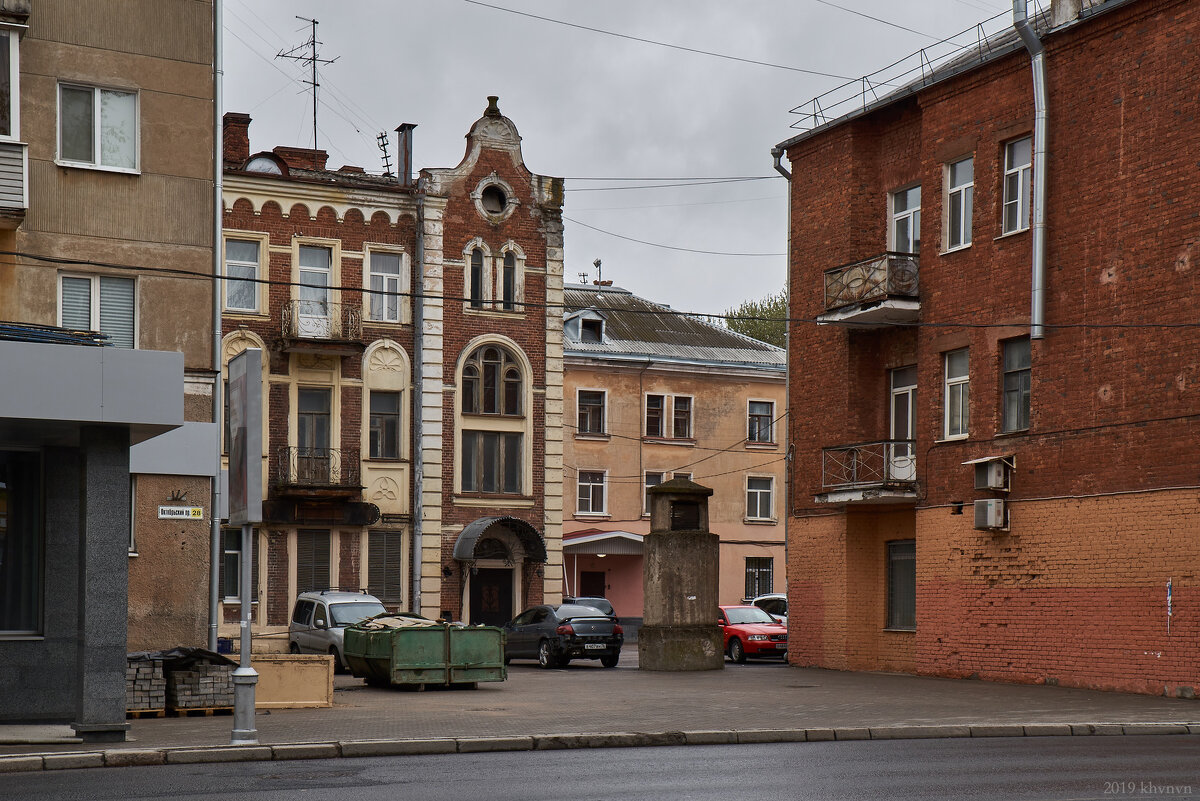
591 330
263 164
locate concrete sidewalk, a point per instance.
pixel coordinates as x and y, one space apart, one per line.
585 705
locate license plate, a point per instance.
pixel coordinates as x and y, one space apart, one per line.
594 646
781 646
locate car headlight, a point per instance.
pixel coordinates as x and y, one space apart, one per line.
756 637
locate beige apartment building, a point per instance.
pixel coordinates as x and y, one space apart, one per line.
106 227
654 395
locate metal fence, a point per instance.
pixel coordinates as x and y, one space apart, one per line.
889 274
312 319
887 462
317 467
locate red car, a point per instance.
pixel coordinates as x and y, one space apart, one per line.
750 631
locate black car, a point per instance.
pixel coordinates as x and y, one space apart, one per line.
554 635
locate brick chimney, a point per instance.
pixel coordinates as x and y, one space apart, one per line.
236 129
302 158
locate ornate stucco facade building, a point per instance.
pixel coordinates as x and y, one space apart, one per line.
412 335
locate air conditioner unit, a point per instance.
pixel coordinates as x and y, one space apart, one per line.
992 475
990 514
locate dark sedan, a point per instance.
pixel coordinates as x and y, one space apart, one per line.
554 635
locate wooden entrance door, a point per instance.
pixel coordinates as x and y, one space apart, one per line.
491 596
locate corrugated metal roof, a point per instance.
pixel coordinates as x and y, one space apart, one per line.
637 328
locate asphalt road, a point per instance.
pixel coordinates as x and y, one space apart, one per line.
1002 769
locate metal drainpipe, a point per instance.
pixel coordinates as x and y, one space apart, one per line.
418 429
777 154
1037 56
218 385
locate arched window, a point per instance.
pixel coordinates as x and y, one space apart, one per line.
491 383
509 290
476 296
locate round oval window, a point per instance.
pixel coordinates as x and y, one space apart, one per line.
494 200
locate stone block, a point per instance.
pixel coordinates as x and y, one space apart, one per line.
20 764
362 748
306 751
1048 730
72 761
998 731
130 757
233 753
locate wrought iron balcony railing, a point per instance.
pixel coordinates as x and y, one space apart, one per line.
317 468
314 319
889 462
877 278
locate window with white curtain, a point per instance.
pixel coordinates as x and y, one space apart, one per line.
97 127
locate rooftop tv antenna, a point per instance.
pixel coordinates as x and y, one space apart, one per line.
313 60
387 159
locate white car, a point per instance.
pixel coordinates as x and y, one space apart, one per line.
775 604
319 620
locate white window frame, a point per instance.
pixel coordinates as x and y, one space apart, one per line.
965 192
94 297
591 498
956 395
913 215
770 431
263 242
691 417
97 145
1024 187
757 494
646 485
603 432
14 74
400 279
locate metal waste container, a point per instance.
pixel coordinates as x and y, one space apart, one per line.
407 651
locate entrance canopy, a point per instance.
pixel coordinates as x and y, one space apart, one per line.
594 541
529 537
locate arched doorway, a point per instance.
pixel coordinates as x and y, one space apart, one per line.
492 552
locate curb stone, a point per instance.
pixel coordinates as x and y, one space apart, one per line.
448 745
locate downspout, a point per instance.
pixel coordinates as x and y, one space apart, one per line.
1040 130
777 154
218 383
418 429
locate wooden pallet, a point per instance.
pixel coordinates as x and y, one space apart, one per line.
145 713
200 711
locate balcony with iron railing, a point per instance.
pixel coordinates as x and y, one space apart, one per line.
882 290
318 472
869 472
322 326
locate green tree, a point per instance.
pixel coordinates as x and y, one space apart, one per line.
765 320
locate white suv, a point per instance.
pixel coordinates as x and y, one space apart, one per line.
319 621
774 604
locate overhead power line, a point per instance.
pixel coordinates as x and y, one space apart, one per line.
176 272
660 44
668 247
874 19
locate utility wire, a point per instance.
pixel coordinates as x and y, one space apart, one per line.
573 307
668 247
875 19
691 182
659 44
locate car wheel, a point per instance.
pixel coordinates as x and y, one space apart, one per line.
338 667
293 648
507 660
546 655
737 651
610 660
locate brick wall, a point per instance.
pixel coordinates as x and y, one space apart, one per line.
1076 591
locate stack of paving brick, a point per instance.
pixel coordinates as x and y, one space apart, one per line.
145 686
200 686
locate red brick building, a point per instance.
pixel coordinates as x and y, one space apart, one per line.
978 492
412 336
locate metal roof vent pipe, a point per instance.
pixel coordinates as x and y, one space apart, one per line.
406 150
1037 57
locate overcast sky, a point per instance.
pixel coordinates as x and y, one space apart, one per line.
591 105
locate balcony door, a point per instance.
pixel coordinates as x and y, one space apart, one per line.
902 465
313 312
312 436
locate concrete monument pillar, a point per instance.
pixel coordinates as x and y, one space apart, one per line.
679 581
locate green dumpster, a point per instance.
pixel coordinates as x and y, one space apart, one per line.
407 650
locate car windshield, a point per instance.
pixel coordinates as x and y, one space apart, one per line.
576 610
748 614
349 614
